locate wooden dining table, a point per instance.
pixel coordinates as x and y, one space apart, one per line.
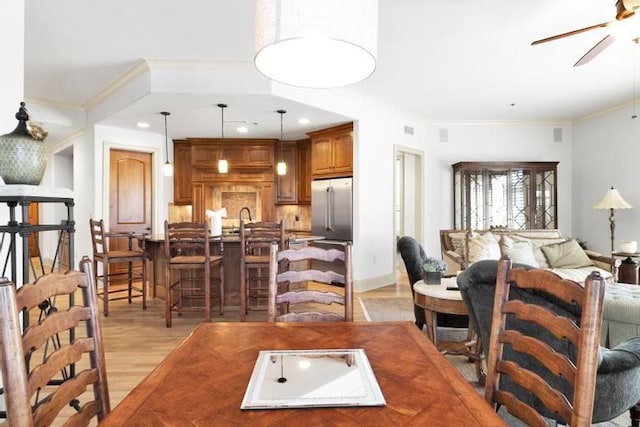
202 382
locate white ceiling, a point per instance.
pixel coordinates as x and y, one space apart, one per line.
440 60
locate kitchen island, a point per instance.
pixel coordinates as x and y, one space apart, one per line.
231 262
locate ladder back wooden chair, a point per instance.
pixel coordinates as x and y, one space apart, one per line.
188 265
113 251
307 304
530 336
28 375
255 241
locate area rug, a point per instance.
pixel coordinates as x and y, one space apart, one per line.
387 309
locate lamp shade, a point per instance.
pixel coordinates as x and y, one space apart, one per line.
612 200
316 43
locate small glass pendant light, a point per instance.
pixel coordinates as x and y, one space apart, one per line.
223 165
281 167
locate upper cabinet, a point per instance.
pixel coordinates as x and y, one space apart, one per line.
332 152
287 185
304 172
182 173
294 187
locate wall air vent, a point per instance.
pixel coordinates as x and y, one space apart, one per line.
408 130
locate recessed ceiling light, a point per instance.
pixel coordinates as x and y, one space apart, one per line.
242 129
143 125
303 121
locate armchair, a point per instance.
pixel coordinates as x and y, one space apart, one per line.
414 256
618 373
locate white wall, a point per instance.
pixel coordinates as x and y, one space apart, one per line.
12 90
606 152
107 138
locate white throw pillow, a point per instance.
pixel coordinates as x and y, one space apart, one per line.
482 246
520 252
536 244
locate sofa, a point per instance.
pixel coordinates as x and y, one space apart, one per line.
539 248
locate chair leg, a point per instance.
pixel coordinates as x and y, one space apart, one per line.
105 288
221 290
130 281
167 295
243 293
634 412
144 284
207 292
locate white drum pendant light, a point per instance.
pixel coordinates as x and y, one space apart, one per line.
316 43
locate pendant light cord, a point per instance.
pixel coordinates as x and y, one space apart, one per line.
222 107
282 113
166 137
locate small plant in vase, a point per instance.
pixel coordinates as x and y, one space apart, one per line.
432 270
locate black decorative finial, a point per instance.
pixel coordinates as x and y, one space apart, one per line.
22 117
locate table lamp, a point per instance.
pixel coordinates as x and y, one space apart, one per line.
612 200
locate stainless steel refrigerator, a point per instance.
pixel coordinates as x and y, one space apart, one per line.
331 208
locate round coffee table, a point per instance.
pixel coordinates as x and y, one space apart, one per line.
446 298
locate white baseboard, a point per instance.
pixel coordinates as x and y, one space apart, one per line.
374 283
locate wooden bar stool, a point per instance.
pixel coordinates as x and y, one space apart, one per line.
255 242
187 250
119 248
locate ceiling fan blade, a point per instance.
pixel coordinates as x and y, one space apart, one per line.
596 50
571 33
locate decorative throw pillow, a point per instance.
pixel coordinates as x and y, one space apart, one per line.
566 255
519 252
536 244
482 246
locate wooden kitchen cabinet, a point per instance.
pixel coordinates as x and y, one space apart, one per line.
181 173
304 172
287 185
243 155
332 152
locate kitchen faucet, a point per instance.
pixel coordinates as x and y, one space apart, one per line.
248 211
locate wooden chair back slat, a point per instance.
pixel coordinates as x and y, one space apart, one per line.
282 304
22 381
556 362
575 323
312 275
256 237
567 290
520 410
47 411
57 361
32 294
560 327
34 338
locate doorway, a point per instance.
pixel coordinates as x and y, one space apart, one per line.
130 197
130 194
408 197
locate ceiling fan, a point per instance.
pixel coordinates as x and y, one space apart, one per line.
624 9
